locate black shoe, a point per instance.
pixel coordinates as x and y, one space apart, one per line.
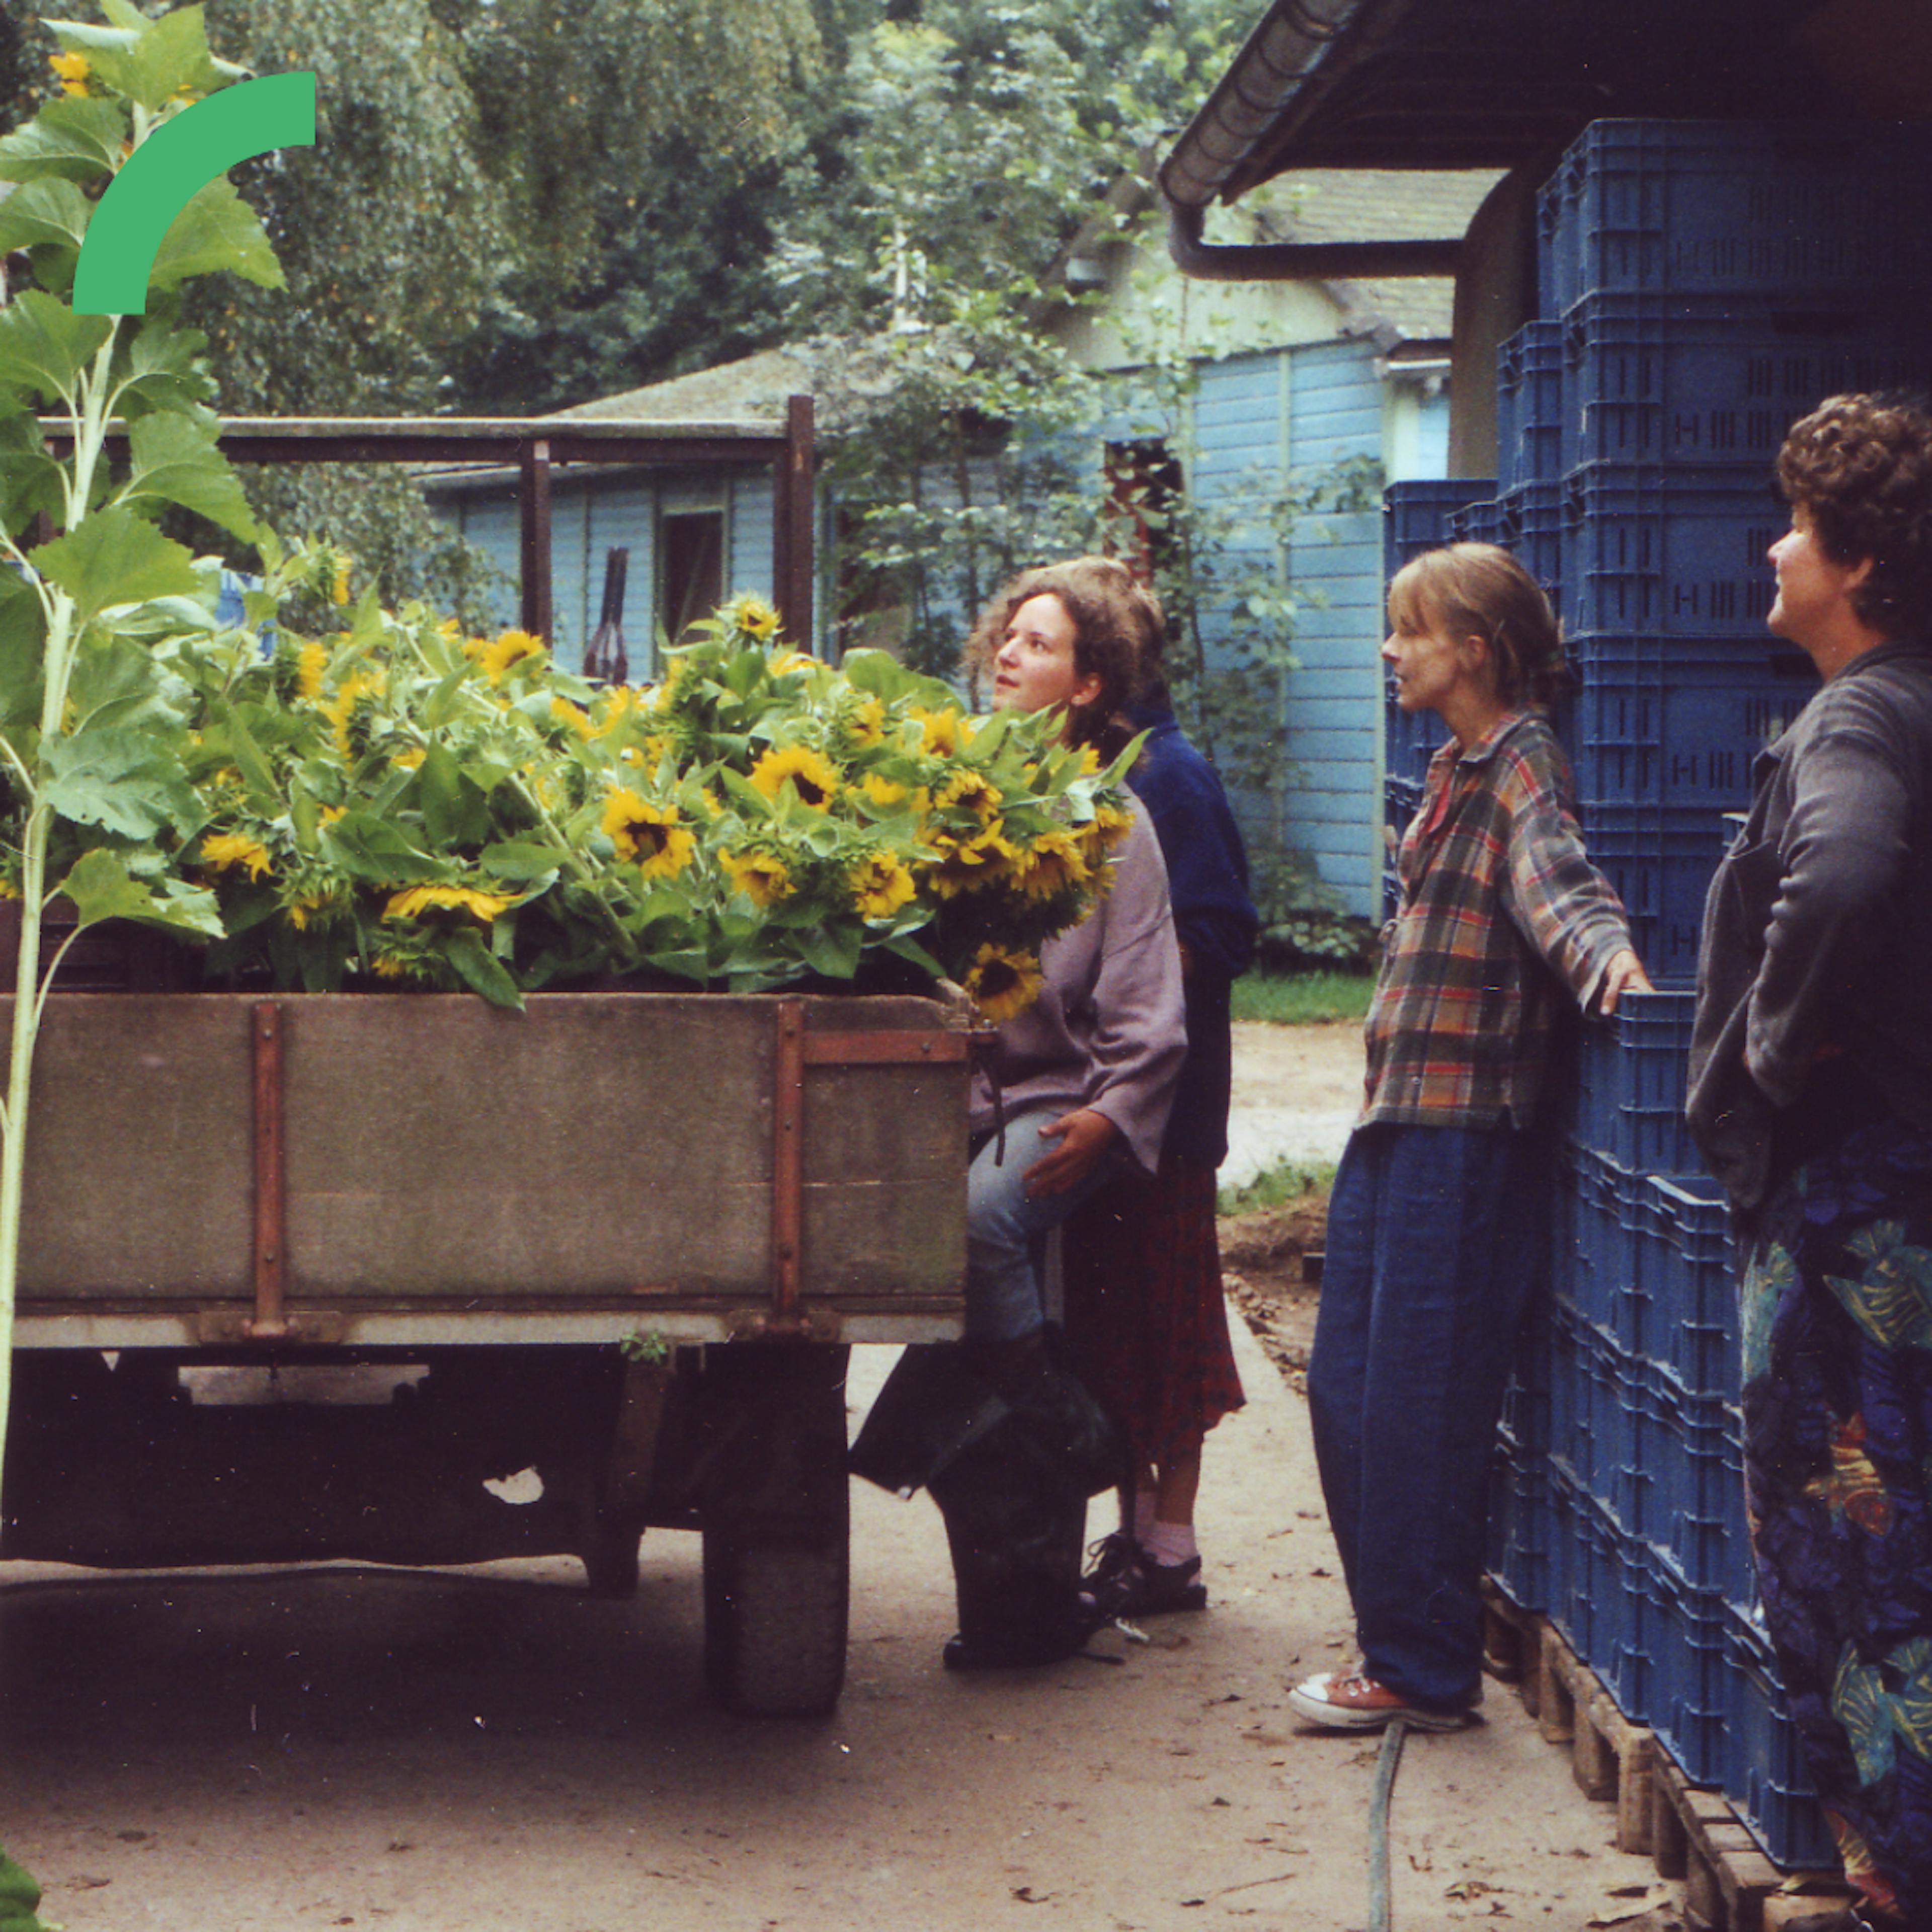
1012 1650
1137 1586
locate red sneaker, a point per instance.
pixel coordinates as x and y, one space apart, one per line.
1357 1703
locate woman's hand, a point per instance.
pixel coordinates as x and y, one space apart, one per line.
1624 974
1084 1137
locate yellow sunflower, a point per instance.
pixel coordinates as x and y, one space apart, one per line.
762 877
1107 828
655 835
414 901
311 666
612 704
880 885
969 787
221 850
814 779
73 70
505 652
341 707
1053 864
965 864
563 712
754 616
1002 983
943 733
866 721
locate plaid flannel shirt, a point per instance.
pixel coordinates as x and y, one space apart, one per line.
1499 904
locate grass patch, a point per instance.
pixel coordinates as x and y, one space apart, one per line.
1302 999
1276 1187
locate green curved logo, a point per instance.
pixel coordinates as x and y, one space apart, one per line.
169 169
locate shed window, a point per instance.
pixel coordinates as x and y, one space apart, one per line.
690 573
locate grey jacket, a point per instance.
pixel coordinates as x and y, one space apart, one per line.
1109 1030
1817 941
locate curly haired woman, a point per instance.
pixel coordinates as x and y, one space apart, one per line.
1811 1097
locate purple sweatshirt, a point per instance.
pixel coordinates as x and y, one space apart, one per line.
1109 1030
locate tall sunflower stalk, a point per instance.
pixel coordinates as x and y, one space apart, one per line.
98 811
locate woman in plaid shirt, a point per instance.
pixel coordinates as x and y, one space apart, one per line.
1434 1223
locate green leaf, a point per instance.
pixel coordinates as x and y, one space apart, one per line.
175 461
30 481
909 949
51 209
44 345
373 849
69 139
257 773
115 557
113 680
831 949
217 229
120 778
455 810
23 634
153 63
520 862
480 971
100 888
159 365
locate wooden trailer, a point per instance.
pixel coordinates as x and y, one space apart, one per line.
615 1247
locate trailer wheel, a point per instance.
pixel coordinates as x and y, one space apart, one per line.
775 1620
776 1560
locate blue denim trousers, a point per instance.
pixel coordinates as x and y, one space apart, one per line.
1006 1229
1436 1240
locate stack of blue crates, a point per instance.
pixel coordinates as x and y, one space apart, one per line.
1701 285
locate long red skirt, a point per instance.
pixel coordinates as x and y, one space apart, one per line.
1145 1312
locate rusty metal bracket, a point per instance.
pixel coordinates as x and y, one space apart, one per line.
270 1322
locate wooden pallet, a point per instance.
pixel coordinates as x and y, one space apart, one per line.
1729 1885
1692 1834
1610 1758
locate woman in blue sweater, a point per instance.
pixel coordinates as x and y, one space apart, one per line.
1145 1309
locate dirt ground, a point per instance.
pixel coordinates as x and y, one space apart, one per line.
490 1748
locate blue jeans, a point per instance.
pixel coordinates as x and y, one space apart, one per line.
1435 1243
1006 1229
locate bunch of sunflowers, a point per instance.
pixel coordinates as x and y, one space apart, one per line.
398 804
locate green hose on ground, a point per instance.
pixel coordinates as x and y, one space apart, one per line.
1379 1920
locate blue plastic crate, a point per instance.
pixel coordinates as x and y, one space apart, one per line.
1599 1224
1607 1608
1673 378
1480 521
1416 512
1672 721
1522 1541
1529 405
1657 549
1693 1451
1599 1425
1659 860
1766 1778
1531 526
1526 1398
1692 1712
1630 1084
1687 1272
1706 206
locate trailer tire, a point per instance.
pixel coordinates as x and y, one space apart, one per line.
775 1624
776 1516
